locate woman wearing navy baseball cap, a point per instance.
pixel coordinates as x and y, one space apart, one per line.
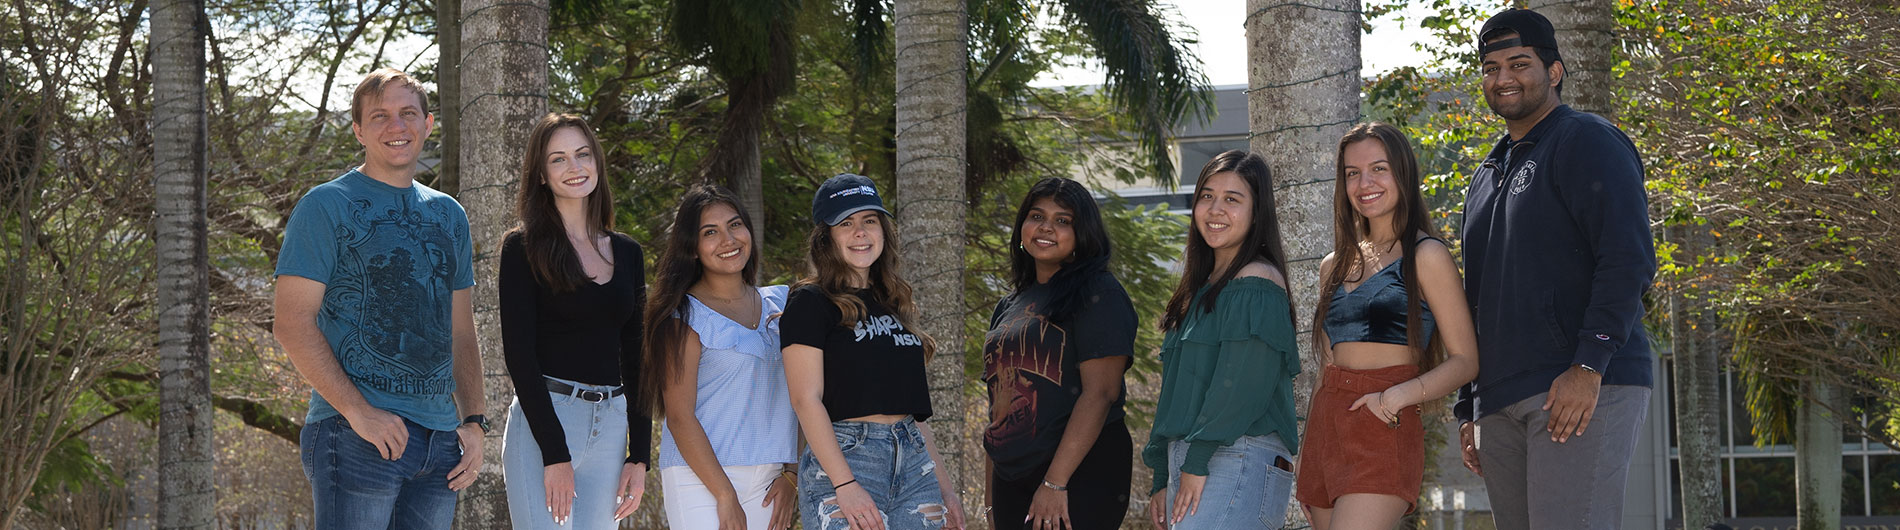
855 367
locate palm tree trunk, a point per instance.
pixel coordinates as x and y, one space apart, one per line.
734 160
1817 448
448 92
1303 70
187 497
504 86
1698 390
932 59
1586 34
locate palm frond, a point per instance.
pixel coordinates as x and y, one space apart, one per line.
1152 73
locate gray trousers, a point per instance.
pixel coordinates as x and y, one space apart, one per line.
1536 483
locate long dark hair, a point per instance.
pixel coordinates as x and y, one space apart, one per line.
1092 248
677 270
832 274
1261 244
1350 228
552 259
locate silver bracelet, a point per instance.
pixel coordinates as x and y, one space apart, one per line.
1053 486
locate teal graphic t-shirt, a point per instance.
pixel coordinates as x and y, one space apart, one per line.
390 260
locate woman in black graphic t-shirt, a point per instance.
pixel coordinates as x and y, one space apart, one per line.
855 368
1059 454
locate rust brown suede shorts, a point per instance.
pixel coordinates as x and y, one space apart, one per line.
1351 451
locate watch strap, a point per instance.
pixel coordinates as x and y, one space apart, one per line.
478 420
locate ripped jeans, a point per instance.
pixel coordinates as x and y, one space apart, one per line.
891 462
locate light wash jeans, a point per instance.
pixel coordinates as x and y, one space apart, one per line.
356 489
1244 488
690 504
892 464
597 446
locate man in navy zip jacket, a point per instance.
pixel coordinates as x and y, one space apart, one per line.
1558 253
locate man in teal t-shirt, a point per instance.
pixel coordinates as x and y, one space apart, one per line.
373 307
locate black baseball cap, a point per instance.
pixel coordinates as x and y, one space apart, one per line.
1531 27
843 195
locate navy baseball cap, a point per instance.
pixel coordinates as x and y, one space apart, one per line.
843 195
1531 27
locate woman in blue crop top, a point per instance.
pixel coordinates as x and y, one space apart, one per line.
1392 330
856 370
714 372
1223 425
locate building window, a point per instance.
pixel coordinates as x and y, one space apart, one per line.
1196 152
1885 483
1758 482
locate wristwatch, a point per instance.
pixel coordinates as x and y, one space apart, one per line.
478 420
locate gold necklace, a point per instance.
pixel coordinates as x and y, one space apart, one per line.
1377 255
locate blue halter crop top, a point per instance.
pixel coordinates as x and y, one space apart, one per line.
1375 311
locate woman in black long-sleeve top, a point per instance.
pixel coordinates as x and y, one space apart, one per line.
571 297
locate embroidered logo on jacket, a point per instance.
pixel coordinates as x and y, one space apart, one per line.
1522 179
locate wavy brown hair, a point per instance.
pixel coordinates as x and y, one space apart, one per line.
1261 244
677 270
1350 228
552 259
832 275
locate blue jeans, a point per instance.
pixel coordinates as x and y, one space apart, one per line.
596 433
356 489
890 462
1244 488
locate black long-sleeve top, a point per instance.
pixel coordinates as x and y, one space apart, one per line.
590 335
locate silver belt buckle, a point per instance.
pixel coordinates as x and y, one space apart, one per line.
592 396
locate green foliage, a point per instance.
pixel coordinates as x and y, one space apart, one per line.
1769 127
70 466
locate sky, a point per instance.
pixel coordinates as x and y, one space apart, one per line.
1223 44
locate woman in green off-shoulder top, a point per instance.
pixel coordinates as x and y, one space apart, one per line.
1224 430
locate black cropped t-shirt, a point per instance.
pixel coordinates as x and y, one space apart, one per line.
872 367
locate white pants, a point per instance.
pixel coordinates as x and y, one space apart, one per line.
690 505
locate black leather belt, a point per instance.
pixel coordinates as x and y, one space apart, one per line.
590 396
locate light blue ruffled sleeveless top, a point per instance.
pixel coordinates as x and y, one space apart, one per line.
742 401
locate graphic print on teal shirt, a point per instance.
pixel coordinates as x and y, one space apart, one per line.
390 260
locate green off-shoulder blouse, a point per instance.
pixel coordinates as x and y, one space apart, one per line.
1224 375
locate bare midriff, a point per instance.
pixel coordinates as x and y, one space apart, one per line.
1371 355
885 419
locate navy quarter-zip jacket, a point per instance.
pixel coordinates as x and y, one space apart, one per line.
1558 254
